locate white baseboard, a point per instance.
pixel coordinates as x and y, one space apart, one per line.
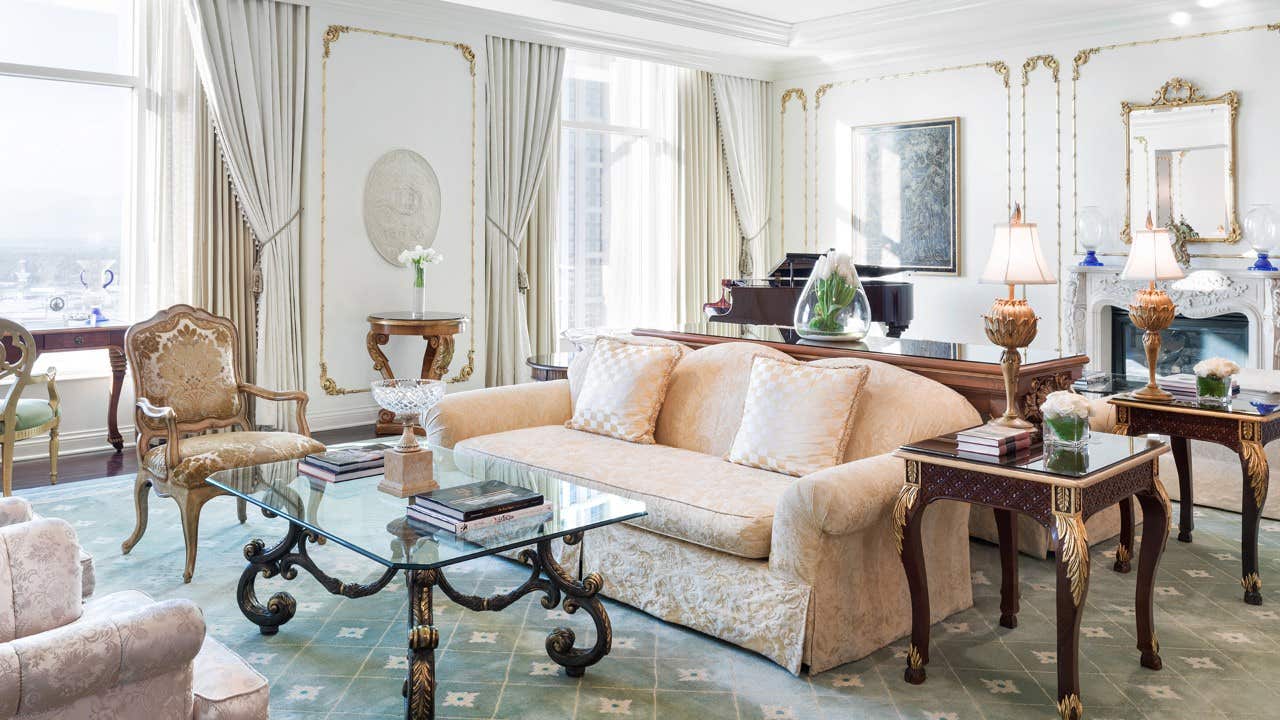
76 442
344 418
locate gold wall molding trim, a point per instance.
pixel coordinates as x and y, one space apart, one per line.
1029 66
332 34
1000 68
1081 59
787 95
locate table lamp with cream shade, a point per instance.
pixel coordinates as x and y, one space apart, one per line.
1015 260
1151 259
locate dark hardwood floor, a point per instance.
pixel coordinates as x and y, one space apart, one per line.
90 466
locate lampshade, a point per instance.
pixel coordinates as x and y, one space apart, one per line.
1015 255
1151 256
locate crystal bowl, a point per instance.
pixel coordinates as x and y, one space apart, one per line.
407 396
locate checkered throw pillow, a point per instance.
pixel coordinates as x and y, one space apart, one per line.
796 417
624 388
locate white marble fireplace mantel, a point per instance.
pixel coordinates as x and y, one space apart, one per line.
1204 293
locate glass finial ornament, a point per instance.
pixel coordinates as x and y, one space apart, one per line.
1091 227
1261 228
833 305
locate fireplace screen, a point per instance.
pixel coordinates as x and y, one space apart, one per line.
1186 342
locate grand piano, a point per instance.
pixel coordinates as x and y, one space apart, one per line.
772 300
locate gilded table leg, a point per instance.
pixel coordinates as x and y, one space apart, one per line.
118 363
437 356
907 516
1253 461
420 686
1071 549
1186 503
1124 549
1155 521
1007 528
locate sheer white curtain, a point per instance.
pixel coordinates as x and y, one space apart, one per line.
618 194
742 108
524 103
160 264
252 58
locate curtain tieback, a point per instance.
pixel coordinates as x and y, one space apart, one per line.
262 246
522 276
764 226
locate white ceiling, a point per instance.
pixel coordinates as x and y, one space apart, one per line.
797 11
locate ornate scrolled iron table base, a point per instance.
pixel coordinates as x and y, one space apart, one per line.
546 576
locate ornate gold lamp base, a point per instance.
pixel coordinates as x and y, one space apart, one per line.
1152 311
1011 324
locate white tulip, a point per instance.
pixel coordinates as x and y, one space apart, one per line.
822 268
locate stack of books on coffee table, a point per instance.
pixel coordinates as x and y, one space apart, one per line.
344 464
478 505
994 441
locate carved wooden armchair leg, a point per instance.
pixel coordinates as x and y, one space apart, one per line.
141 492
190 502
53 455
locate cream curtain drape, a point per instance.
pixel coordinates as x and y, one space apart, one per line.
223 250
742 109
539 256
158 270
252 58
523 119
709 240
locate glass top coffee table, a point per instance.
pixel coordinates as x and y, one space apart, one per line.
356 515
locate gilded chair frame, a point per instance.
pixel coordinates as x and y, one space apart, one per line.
17 339
153 423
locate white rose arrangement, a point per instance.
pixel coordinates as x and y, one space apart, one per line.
837 283
1067 415
1220 368
419 258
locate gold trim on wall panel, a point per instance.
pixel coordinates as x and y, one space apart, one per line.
332 34
999 67
797 93
1051 64
1082 58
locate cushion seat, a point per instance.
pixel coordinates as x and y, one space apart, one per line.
226 686
203 455
689 495
32 412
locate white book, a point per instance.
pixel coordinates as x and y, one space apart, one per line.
417 512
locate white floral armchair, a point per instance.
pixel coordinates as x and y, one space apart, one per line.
120 656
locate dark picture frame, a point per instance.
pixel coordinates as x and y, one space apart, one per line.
906 195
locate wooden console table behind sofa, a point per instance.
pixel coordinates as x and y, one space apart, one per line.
971 370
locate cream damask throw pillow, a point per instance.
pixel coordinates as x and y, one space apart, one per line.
797 416
623 389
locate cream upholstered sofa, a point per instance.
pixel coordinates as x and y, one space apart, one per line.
119 656
801 570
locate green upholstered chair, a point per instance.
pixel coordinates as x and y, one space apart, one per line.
25 417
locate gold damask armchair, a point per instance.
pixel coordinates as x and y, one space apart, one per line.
187 383
24 418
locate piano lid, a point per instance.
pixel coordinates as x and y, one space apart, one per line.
798 266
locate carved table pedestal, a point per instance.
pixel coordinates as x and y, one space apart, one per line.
437 328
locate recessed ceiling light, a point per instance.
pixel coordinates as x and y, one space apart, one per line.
1180 18
1210 3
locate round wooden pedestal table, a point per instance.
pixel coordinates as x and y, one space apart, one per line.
551 366
437 328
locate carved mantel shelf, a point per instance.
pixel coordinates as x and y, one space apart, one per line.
1204 293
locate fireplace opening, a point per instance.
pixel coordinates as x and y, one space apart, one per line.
1185 343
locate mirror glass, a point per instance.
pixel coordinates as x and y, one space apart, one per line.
1180 160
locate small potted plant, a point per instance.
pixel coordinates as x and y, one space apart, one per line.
1066 419
1213 379
419 258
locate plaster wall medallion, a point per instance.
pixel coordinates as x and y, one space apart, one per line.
401 203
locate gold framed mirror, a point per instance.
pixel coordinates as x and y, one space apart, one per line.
1180 164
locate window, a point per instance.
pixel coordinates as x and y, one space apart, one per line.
67 139
617 239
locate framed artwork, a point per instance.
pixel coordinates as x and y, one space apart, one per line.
906 197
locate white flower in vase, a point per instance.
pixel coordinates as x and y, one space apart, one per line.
1220 368
1065 403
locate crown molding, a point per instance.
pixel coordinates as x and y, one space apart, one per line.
700 16
458 18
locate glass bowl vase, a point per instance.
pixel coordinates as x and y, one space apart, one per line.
833 306
1210 388
1071 431
407 399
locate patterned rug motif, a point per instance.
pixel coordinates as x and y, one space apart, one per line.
341 658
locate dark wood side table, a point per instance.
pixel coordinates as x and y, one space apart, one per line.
551 366
53 337
437 328
1245 425
1060 489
